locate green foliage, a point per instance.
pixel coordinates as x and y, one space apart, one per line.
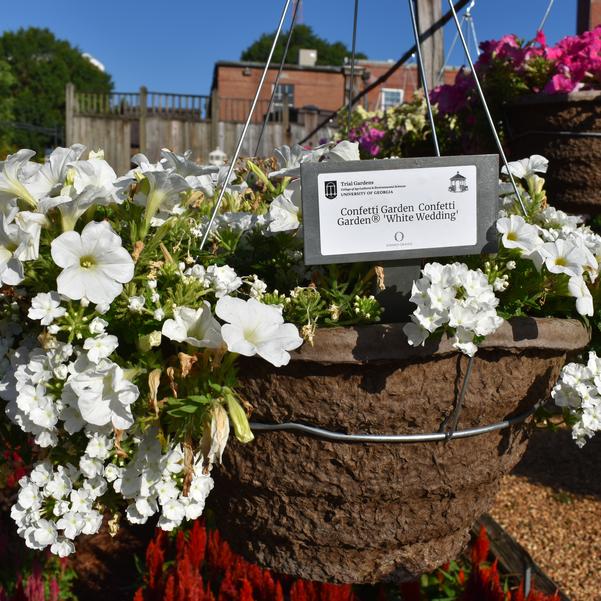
41 66
303 36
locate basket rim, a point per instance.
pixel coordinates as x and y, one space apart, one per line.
382 342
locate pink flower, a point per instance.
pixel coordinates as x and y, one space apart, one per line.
559 84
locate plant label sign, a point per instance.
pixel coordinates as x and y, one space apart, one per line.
398 209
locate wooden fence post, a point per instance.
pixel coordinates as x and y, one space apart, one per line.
428 12
588 15
69 114
215 108
142 118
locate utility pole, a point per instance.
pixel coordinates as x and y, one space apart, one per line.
428 12
589 15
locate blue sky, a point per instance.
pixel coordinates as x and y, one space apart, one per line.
172 46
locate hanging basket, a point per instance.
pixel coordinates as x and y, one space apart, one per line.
566 129
361 513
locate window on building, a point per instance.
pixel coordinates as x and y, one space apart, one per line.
390 97
282 90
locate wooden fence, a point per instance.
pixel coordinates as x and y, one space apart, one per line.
126 123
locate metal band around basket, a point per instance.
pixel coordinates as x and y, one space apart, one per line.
390 438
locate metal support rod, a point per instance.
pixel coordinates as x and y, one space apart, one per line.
323 434
473 28
422 73
453 419
486 109
352 78
277 77
545 16
448 56
246 126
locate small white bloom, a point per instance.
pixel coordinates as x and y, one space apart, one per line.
136 304
100 347
223 279
46 307
98 325
159 314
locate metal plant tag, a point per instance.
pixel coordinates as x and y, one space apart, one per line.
399 209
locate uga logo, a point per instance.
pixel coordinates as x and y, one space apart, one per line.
331 189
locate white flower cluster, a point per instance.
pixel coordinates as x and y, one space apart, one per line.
55 505
154 482
555 240
94 392
456 297
579 391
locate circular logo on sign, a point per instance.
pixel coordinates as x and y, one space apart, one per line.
399 236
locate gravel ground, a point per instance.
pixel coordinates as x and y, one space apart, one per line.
551 504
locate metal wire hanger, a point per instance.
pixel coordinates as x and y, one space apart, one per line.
322 433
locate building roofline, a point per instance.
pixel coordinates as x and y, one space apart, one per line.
287 67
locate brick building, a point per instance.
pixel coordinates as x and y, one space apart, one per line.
308 88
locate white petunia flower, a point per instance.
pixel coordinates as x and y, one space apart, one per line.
95 265
197 327
516 233
15 171
562 256
284 212
46 307
525 168
104 395
344 151
254 328
289 160
584 300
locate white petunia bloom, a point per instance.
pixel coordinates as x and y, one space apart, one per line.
160 192
95 265
516 233
584 300
104 395
254 328
344 151
289 160
15 171
525 168
46 307
284 211
50 178
197 327
562 256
